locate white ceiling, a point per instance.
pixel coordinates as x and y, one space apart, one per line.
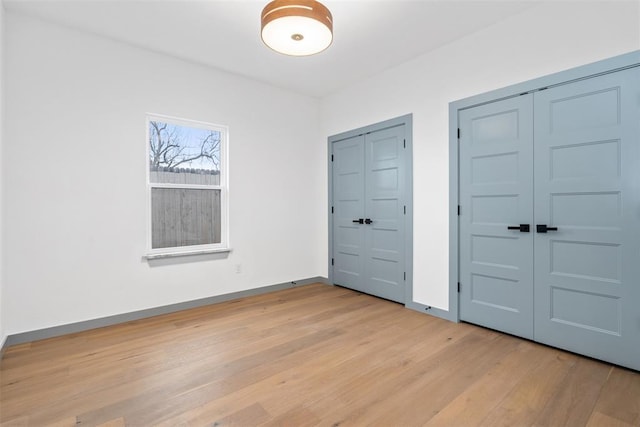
369 35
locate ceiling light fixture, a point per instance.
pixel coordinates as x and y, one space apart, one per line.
297 27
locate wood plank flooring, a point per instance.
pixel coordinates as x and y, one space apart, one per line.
307 356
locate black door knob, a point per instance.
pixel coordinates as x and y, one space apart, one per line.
358 221
542 228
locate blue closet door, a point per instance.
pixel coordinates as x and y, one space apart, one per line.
385 158
348 177
368 175
587 189
496 196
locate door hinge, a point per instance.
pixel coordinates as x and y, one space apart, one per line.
331 261
458 287
458 133
332 157
405 275
331 209
458 210
404 143
405 209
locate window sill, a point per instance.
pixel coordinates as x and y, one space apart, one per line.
152 256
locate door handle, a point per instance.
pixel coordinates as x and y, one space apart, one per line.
524 228
542 228
368 221
358 221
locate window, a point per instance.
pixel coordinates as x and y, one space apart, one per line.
187 186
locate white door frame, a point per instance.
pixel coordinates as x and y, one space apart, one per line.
606 66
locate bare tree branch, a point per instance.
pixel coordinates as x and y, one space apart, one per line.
168 149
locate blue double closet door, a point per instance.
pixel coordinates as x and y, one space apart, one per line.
369 191
550 222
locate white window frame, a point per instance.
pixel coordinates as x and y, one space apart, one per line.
223 246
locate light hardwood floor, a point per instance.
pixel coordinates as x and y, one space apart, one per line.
313 355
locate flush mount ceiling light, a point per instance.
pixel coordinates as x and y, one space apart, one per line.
297 27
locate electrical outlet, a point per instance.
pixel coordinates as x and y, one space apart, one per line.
238 268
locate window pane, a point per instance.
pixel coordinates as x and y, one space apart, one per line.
184 217
183 155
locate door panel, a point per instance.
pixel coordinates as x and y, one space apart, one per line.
348 203
496 191
587 163
385 207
